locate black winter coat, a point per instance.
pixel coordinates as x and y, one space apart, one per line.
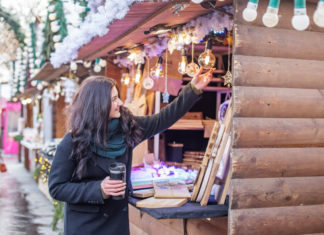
86 212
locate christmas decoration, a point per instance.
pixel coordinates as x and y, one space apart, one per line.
319 14
207 59
192 68
165 94
157 71
183 63
300 20
270 18
250 12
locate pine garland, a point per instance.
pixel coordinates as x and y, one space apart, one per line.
14 25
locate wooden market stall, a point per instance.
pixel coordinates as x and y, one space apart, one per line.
277 160
129 33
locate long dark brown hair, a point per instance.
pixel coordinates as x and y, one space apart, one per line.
89 119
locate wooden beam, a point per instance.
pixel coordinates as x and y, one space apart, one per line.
278 132
277 162
274 192
277 220
277 72
281 43
278 102
113 43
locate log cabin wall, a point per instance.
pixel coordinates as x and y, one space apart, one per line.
278 125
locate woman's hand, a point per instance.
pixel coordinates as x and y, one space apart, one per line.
112 187
200 81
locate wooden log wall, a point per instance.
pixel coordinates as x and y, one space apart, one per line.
278 125
59 118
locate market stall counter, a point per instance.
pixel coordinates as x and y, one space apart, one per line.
191 218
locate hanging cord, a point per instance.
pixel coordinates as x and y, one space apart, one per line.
192 52
166 71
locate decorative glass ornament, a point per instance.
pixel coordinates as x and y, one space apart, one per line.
148 83
183 63
192 69
318 16
207 59
270 18
97 68
300 20
157 71
250 12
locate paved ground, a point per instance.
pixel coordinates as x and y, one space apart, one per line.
24 210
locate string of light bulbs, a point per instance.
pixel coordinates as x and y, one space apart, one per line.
300 21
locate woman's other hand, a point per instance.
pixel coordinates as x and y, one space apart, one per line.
112 187
200 81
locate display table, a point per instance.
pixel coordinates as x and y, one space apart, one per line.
190 218
187 211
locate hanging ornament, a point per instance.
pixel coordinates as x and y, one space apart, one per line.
250 12
148 82
33 83
192 68
165 94
127 78
52 16
228 76
97 68
102 63
57 38
39 86
207 59
270 18
197 1
183 63
157 71
318 16
139 72
87 64
73 66
300 20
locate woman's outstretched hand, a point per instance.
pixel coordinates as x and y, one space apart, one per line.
200 81
112 187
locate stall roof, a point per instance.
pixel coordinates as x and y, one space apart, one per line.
141 17
48 73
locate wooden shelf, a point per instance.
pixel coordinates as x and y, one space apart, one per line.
187 124
188 79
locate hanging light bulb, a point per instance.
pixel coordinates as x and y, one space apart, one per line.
126 78
300 20
39 86
250 12
207 59
52 16
319 14
139 72
270 18
102 63
182 66
97 68
73 66
87 64
157 70
197 1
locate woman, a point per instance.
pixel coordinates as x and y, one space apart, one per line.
102 131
